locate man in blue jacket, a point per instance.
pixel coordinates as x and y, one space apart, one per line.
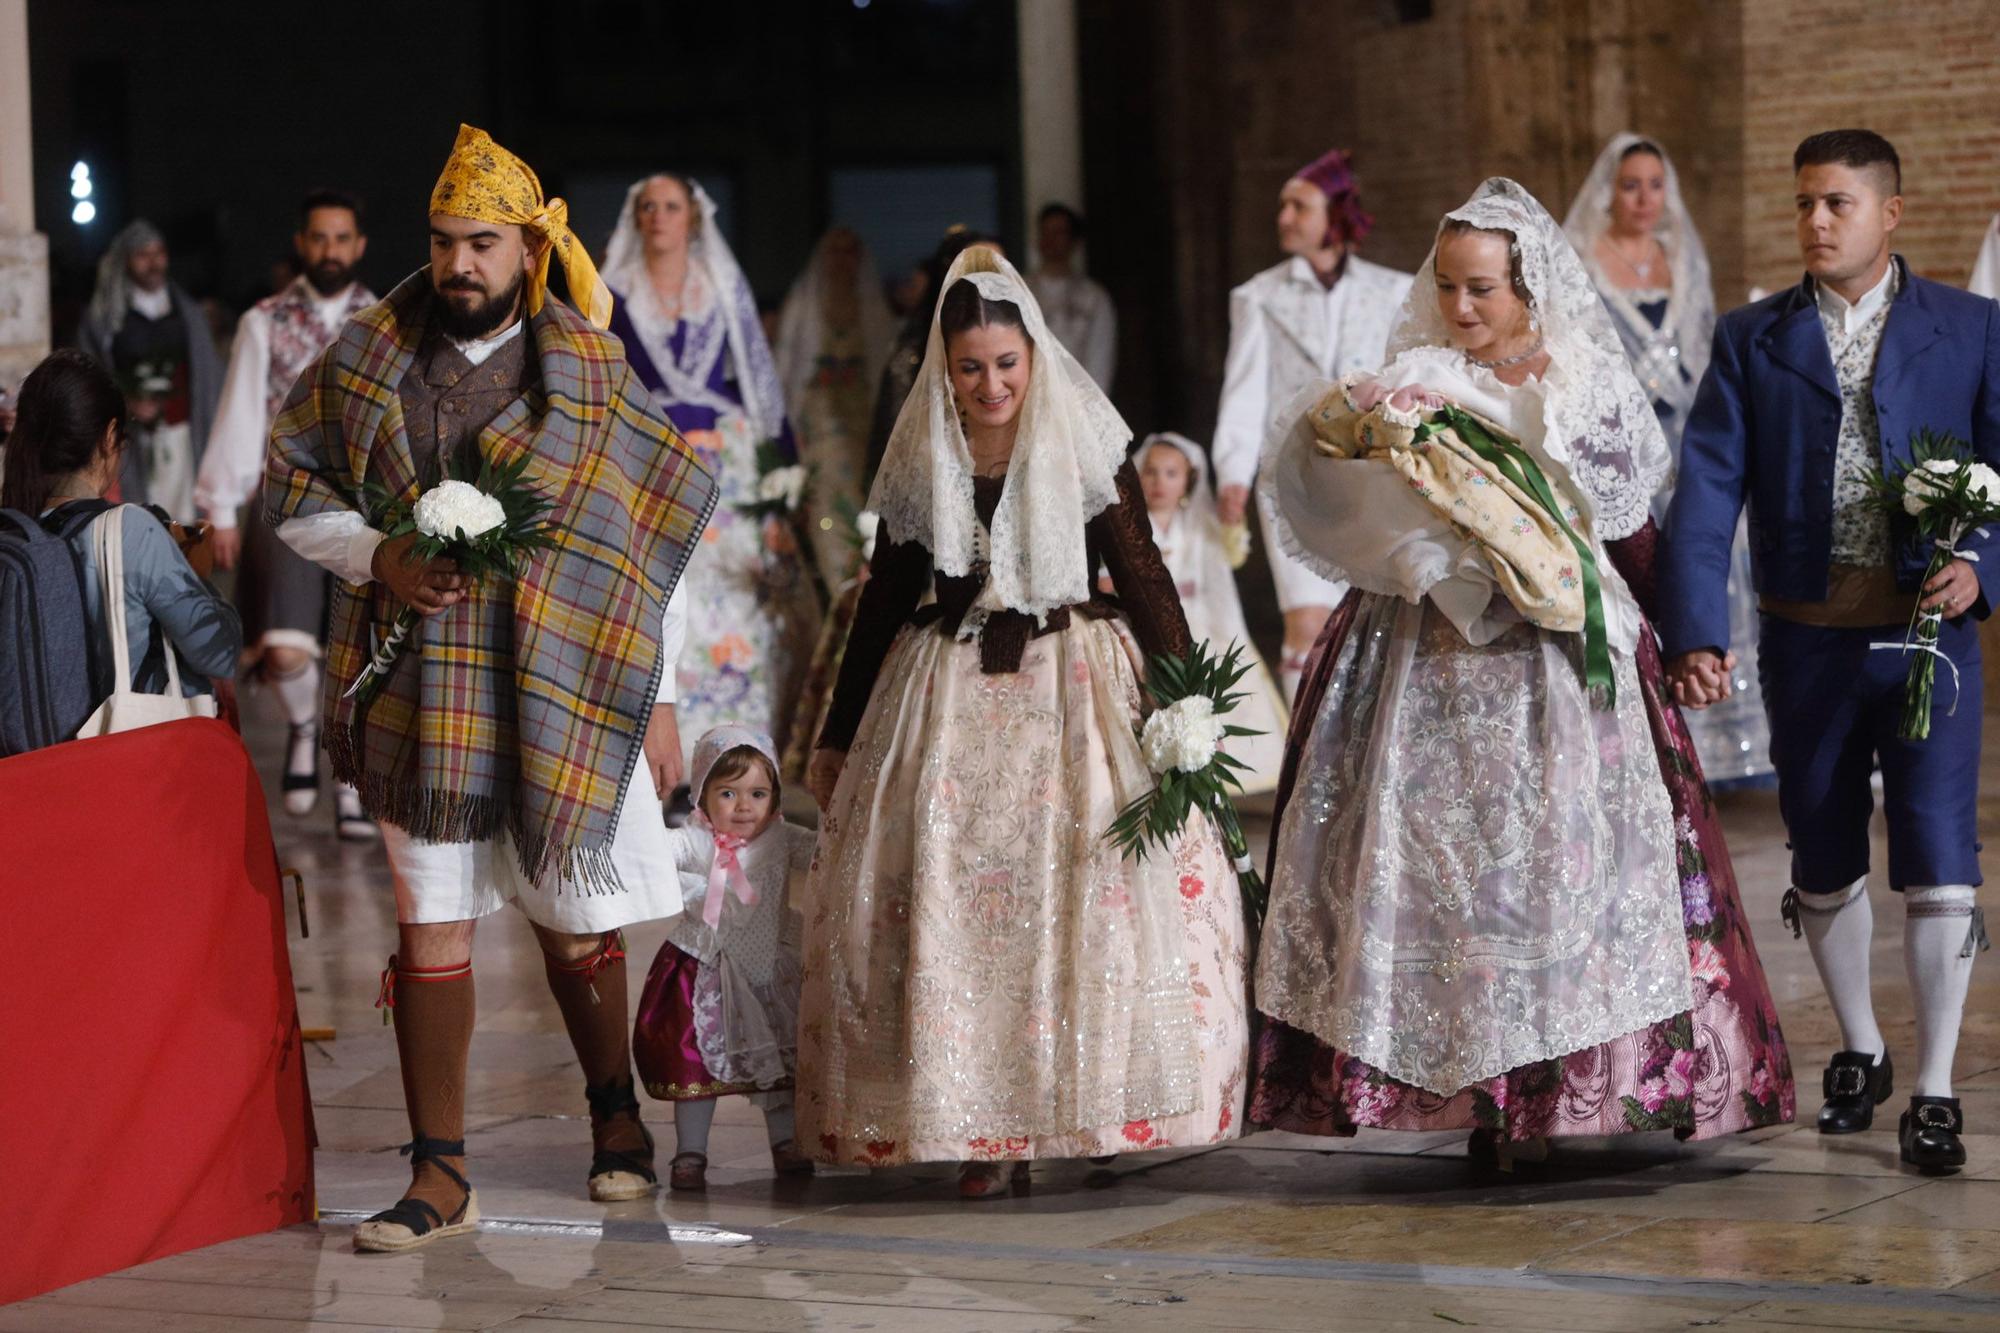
1807 389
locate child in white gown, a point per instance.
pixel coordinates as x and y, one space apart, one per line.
1198 551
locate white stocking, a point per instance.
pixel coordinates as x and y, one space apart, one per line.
1942 930
298 694
691 1122
778 1119
1838 929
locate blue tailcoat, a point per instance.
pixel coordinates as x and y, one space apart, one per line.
1763 430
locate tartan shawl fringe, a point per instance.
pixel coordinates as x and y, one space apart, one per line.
431 815
522 710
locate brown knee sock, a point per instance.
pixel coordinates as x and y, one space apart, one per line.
433 1009
591 994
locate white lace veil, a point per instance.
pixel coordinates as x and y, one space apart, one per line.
1690 319
1601 425
1067 451
719 308
802 323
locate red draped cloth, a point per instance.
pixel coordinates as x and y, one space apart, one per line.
152 1082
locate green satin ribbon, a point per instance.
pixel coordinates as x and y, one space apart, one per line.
1518 466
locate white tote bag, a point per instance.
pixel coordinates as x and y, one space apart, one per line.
128 709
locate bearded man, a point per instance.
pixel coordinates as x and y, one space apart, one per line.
281 596
499 754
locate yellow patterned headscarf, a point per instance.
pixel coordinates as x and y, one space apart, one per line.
486 183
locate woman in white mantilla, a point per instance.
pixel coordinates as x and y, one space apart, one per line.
689 324
987 979
1631 226
834 333
1499 897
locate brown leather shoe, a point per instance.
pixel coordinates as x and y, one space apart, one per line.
688 1171
787 1160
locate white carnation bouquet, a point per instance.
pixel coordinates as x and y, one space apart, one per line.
781 487
487 526
1182 741
1949 495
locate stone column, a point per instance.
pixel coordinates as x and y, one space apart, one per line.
24 253
1051 118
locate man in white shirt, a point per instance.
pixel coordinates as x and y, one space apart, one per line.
281 596
1320 314
1079 312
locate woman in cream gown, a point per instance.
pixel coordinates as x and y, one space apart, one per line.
987 980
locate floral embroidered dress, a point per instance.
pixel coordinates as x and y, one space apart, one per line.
986 977
720 1009
752 613
1499 897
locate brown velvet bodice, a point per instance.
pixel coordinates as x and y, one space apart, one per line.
1119 540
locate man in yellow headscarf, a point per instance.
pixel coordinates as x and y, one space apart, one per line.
502 756
486 192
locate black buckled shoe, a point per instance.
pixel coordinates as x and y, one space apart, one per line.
1854 1084
1929 1134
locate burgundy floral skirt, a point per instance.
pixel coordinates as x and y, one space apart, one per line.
1719 1068
663 1036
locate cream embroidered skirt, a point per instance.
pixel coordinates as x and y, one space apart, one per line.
986 977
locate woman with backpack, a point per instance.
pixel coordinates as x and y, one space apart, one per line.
61 458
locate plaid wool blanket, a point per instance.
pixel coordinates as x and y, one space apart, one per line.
523 708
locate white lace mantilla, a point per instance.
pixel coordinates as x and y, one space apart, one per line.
1601 423
1068 447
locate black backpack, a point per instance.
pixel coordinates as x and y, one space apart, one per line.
45 692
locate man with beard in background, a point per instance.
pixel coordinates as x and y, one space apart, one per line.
281 595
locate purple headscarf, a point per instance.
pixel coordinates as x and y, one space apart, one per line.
1333 174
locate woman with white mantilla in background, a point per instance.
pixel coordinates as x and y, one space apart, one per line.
834 334
1631 226
689 324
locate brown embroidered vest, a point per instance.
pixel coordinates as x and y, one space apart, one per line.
447 400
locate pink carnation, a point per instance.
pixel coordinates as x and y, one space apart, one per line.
1680 1075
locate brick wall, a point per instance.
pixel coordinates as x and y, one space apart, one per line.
1926 75
1239 93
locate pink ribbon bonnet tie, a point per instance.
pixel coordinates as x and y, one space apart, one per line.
726 876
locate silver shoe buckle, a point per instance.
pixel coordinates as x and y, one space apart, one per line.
1847 1081
1932 1116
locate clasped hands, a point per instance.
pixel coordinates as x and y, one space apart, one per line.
1701 677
